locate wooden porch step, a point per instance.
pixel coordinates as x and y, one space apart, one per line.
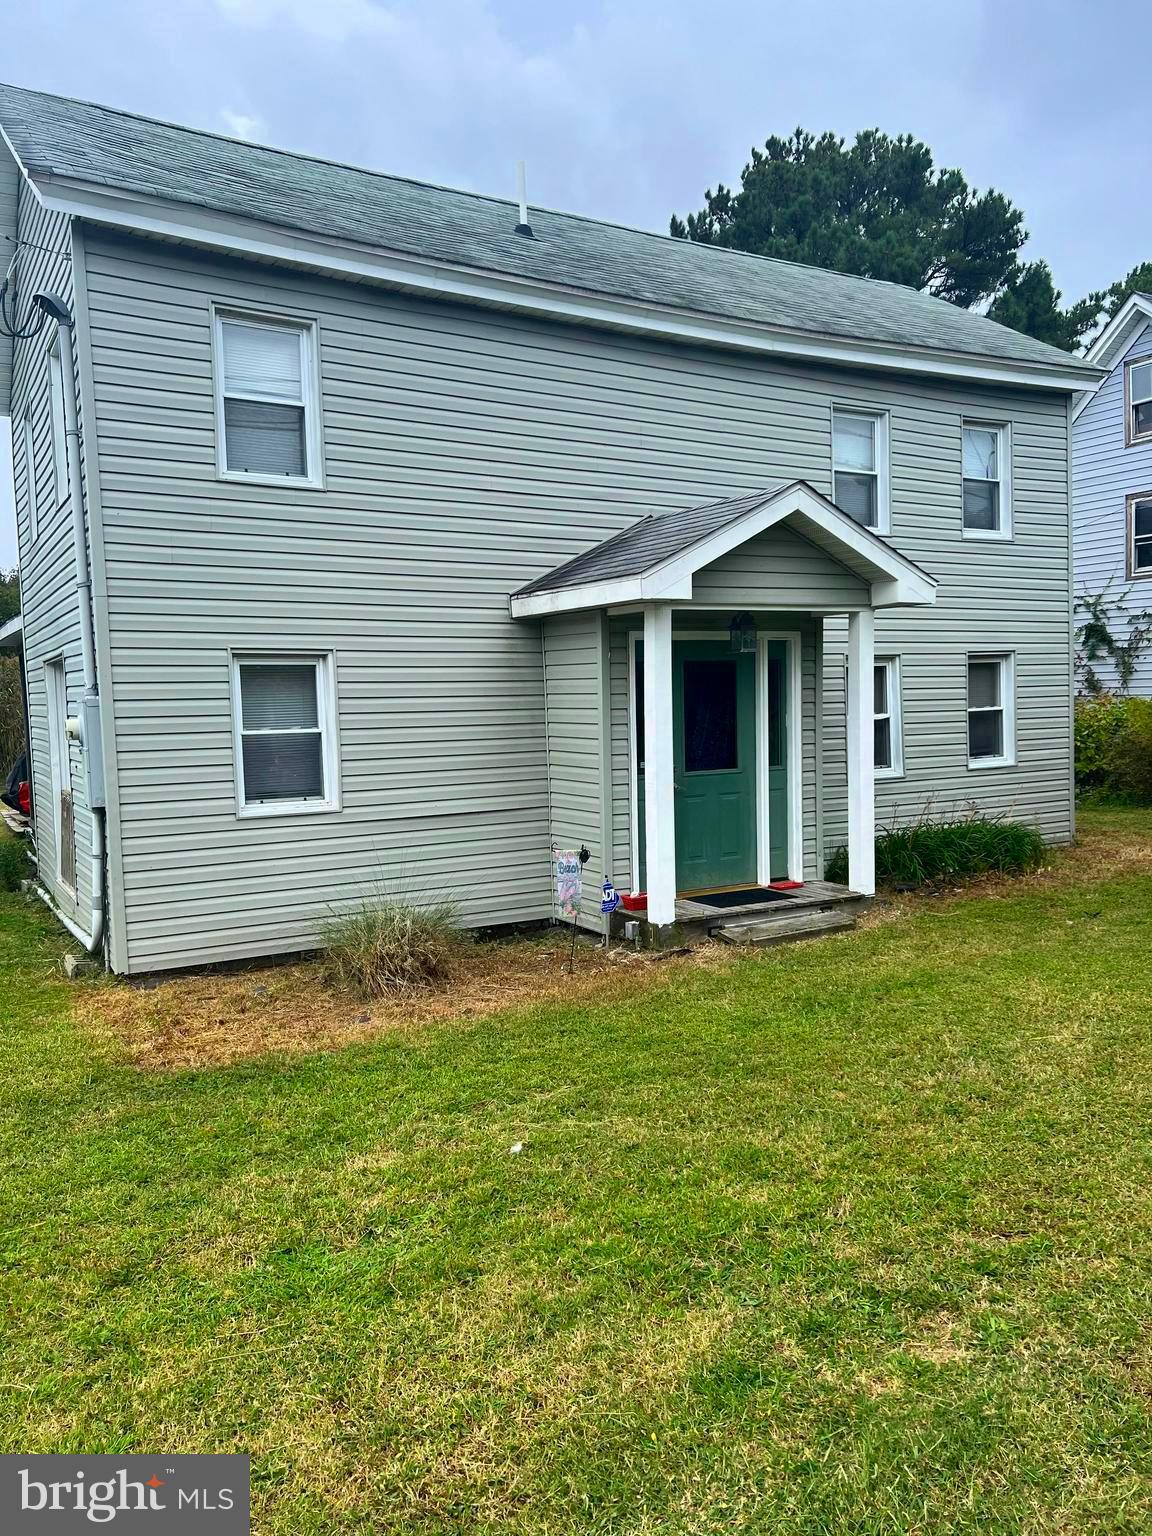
782 930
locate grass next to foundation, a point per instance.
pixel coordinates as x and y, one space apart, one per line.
846 1237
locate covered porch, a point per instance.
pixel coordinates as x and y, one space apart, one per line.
709 624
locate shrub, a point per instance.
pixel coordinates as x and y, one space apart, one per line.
949 849
1114 748
389 945
14 865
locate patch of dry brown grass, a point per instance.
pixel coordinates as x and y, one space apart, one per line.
211 1020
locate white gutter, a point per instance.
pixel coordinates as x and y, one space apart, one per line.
57 310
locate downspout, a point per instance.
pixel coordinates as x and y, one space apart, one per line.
88 727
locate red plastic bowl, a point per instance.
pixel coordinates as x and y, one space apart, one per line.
634 901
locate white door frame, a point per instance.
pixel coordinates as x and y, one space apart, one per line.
794 726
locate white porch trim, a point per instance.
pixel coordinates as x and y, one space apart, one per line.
794 733
659 766
861 754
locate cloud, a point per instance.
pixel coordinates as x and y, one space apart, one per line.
335 21
239 125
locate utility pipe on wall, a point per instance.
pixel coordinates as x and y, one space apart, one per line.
56 309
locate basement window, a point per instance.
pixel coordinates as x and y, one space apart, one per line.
266 400
284 723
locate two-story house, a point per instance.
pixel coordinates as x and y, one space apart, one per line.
1112 480
377 534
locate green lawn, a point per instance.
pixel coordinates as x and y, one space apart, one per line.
848 1237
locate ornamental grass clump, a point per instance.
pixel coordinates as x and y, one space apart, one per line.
386 946
931 851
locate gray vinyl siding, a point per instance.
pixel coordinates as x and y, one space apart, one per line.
47 569
779 568
1105 473
994 596
466 452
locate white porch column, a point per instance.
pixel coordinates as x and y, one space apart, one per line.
659 788
861 754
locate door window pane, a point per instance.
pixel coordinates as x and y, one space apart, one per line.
638 706
710 716
775 713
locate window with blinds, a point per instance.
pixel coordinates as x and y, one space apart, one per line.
265 399
285 733
860 466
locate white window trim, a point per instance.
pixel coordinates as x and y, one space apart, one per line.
1007 660
1131 437
881 437
310 397
1003 429
31 488
896 717
326 715
58 425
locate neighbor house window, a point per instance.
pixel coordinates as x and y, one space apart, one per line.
1140 534
860 466
32 490
987 503
886 729
266 399
57 420
285 728
990 725
1138 400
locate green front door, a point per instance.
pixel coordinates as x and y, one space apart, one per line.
714 734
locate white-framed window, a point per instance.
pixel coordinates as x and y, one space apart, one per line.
1140 535
860 465
987 480
267 404
1137 400
888 735
58 423
32 490
991 724
284 725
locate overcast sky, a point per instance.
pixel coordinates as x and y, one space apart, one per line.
630 109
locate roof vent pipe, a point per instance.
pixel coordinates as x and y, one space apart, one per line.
523 228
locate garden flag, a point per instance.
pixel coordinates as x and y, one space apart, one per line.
569 882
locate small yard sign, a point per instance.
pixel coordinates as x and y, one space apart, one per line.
609 898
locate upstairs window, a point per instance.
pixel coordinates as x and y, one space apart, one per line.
860 466
58 422
990 723
987 509
1140 534
285 730
1138 400
266 400
888 746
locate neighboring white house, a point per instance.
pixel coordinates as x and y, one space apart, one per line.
1112 477
374 532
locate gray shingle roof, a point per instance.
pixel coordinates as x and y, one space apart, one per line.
653 540
56 135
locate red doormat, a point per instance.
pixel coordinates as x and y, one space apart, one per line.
785 885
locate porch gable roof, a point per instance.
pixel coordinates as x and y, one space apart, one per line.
655 559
